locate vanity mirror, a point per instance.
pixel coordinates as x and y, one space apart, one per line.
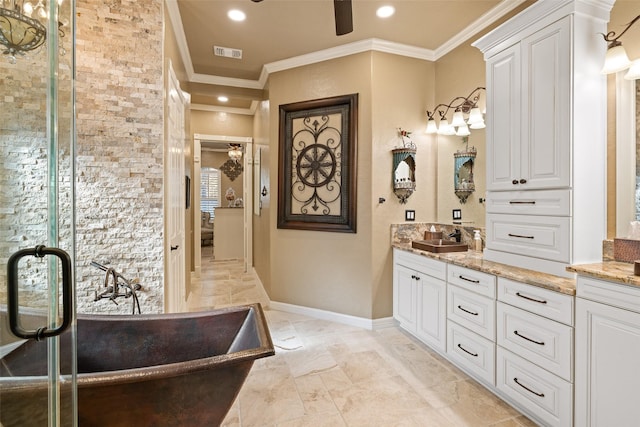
404 167
627 153
463 181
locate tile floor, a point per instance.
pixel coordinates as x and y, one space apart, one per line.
329 374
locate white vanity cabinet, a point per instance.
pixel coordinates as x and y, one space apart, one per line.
535 334
607 354
471 318
546 136
419 297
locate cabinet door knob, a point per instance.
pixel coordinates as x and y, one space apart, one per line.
417 277
514 182
523 181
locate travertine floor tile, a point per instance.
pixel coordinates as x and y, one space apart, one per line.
333 375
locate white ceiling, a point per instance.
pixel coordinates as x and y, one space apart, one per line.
280 34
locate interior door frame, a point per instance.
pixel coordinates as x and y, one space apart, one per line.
175 294
247 195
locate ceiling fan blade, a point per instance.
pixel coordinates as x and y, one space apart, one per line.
344 17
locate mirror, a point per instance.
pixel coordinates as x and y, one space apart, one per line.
404 173
627 154
463 181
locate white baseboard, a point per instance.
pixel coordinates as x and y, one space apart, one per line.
345 319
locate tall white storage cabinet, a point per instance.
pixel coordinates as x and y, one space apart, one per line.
546 135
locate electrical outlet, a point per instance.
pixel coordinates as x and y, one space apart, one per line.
409 215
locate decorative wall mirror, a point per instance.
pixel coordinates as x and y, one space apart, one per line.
627 154
404 168
463 181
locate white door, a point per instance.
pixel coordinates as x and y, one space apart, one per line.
175 199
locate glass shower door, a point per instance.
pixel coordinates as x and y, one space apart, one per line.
37 153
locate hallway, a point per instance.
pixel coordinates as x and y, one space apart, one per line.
329 374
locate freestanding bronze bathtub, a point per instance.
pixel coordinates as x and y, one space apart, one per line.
151 370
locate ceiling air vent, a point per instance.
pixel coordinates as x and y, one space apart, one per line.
227 52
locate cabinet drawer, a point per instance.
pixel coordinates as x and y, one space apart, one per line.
546 343
432 267
544 237
472 280
615 294
542 202
542 395
471 352
473 311
555 306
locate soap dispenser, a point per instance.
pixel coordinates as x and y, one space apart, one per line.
477 240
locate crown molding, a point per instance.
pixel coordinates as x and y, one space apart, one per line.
233 110
476 26
366 45
225 81
181 39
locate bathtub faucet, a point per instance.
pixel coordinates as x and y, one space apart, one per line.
112 292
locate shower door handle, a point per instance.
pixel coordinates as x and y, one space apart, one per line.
12 293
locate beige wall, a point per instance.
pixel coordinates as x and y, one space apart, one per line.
402 88
342 272
221 123
261 230
329 271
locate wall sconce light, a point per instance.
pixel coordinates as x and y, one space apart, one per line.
616 58
460 106
235 152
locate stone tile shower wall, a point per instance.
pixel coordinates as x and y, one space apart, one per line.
24 166
119 105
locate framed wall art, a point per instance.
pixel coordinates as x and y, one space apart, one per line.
317 164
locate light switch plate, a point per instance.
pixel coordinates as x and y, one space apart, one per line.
409 215
457 214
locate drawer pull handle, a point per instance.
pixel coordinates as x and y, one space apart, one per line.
527 388
528 339
522 202
467 279
467 311
467 351
539 301
520 236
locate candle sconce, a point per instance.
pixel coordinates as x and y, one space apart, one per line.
463 181
404 167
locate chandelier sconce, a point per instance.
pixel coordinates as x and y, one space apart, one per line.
616 58
23 26
235 152
461 107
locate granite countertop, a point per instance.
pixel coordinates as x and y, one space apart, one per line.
614 271
475 261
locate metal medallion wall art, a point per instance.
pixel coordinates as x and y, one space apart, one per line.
232 169
318 165
404 167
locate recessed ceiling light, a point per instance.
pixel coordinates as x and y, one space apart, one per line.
385 11
223 98
236 15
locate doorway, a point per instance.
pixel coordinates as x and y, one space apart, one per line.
227 243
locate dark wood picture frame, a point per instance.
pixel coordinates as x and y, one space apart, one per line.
317 164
